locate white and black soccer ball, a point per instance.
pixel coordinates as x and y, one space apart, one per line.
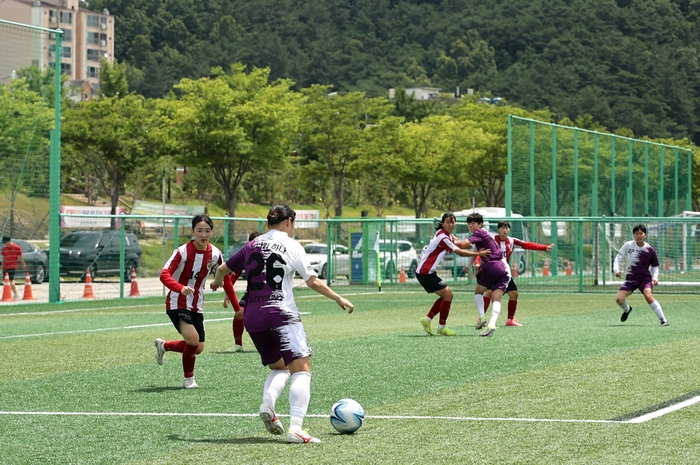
347 416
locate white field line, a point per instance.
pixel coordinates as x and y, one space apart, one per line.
641 419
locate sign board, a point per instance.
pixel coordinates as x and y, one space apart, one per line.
307 219
92 221
154 208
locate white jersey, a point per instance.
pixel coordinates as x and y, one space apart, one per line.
270 262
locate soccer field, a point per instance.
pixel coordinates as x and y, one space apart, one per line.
573 385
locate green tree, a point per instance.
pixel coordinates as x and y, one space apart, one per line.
109 137
234 124
334 132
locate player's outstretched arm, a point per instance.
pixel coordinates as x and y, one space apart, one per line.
322 288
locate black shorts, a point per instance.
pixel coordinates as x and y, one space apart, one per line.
511 286
431 282
193 318
10 273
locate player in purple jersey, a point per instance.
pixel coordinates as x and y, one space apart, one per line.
272 318
638 256
494 276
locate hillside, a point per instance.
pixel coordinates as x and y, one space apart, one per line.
628 63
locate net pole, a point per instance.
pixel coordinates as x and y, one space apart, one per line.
55 181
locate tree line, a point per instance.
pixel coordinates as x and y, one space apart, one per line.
246 137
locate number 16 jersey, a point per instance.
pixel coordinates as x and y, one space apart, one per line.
270 262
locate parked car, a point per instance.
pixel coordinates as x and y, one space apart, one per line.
36 260
318 256
99 251
394 255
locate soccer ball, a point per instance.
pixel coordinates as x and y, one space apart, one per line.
347 416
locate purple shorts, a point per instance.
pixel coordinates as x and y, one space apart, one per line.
494 275
630 286
286 342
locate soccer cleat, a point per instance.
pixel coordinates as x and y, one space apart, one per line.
488 332
664 322
512 322
301 437
235 348
624 316
447 331
269 418
481 322
160 351
425 321
190 384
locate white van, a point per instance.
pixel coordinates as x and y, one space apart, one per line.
492 215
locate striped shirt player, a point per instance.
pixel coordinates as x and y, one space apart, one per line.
507 244
443 242
495 273
639 257
273 320
184 274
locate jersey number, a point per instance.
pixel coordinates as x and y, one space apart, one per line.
271 271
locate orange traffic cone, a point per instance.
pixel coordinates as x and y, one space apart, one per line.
568 268
134 284
514 268
88 286
545 269
402 276
7 289
28 289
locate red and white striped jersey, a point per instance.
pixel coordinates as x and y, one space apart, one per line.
188 266
433 253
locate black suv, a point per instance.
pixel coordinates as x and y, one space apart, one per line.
99 251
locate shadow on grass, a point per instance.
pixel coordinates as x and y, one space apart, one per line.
160 389
248 440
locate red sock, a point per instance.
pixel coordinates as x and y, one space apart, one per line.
487 301
435 309
512 305
175 346
189 355
445 311
238 331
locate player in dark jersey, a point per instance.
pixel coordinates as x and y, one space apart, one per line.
639 257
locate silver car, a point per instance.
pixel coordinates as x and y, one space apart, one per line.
318 256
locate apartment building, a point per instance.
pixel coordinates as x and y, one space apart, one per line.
88 37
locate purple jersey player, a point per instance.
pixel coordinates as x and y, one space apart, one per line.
638 257
273 320
494 276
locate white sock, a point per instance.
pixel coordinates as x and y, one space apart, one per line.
495 311
274 385
479 299
656 306
625 306
299 396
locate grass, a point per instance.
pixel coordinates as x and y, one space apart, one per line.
89 368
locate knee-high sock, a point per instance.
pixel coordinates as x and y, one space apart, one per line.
625 306
299 396
656 306
487 301
444 311
435 309
512 307
274 385
175 346
495 311
189 355
238 331
479 299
